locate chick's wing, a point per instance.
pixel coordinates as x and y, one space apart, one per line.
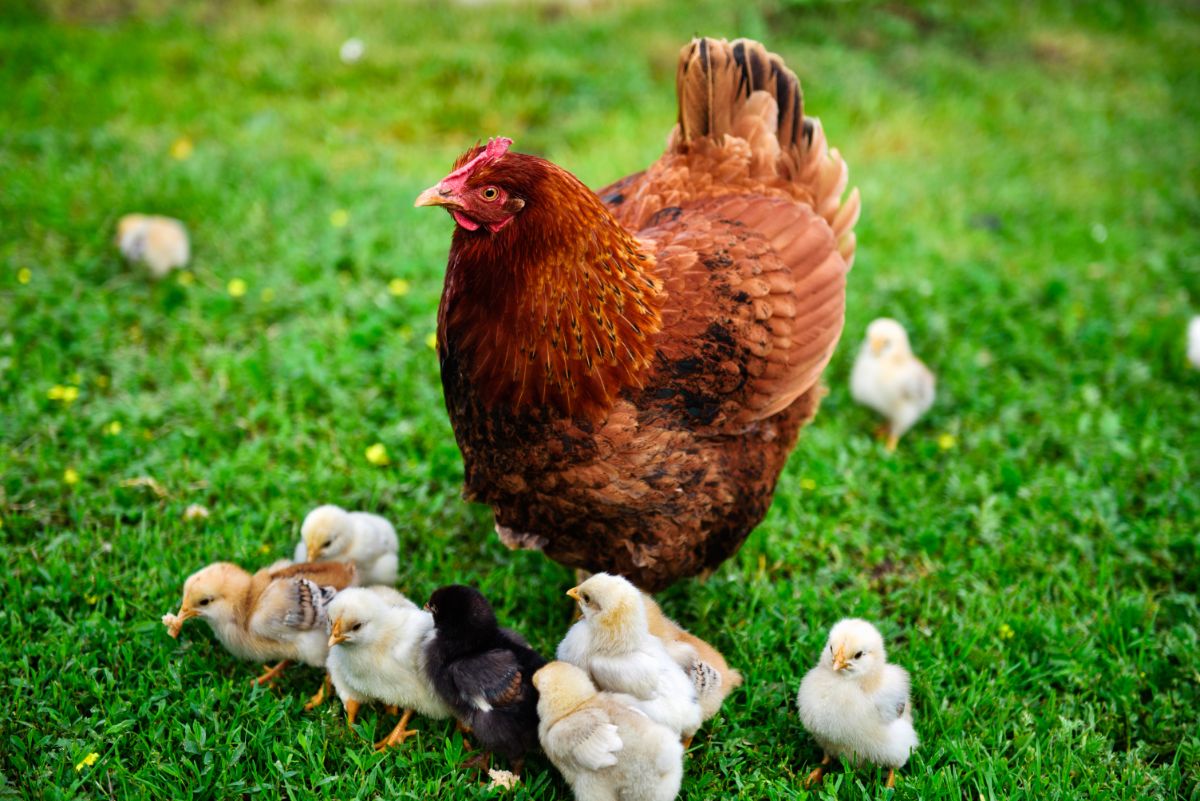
492 679
288 606
587 737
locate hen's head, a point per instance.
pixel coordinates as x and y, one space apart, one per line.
483 191
855 649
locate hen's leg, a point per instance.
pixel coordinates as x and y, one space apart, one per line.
818 772
319 698
272 673
398 734
352 708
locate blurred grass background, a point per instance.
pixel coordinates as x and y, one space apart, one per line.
1029 174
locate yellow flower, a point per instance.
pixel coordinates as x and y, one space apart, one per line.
113 428
946 441
181 149
70 394
75 379
398 287
431 340
377 454
236 288
147 434
340 218
186 278
808 484
1006 632
91 599
264 548
88 760
55 392
71 476
24 275
267 295
102 381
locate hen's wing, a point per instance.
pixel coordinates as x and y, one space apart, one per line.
492 679
586 737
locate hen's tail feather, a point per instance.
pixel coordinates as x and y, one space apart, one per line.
714 85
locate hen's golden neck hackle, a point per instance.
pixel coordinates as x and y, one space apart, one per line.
557 308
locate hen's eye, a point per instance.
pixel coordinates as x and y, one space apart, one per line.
490 193
859 654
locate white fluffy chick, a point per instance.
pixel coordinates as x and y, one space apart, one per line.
602 744
855 704
711 675
330 533
1193 342
161 243
377 653
613 643
277 614
888 378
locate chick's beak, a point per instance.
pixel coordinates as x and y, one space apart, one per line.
574 593
185 613
876 345
839 659
436 196
335 635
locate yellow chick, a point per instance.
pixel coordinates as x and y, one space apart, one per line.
377 653
888 378
855 704
613 643
161 243
710 673
330 533
273 615
604 747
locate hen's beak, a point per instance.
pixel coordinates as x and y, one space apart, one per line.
435 196
335 635
876 345
574 593
839 659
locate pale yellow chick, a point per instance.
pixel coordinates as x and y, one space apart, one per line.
377 653
855 704
330 533
888 378
711 675
274 615
602 744
160 243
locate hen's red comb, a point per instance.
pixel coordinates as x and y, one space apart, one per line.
496 147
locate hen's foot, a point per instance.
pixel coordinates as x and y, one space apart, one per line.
272 673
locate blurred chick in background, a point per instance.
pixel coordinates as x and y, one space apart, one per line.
855 704
613 644
377 646
273 615
330 533
160 243
1193 342
711 675
484 674
603 747
888 378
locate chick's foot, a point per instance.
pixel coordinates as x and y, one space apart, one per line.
399 734
272 673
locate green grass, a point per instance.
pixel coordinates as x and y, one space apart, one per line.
1029 180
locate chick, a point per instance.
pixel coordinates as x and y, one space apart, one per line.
604 747
484 673
161 243
710 673
1193 342
277 614
367 540
857 705
377 653
888 378
614 645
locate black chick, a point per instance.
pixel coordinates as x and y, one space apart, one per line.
484 673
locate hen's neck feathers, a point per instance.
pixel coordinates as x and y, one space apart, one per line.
558 308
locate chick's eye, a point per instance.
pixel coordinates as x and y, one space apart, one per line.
490 193
587 599
205 601
859 654
356 627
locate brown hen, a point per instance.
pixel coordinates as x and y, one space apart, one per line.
627 372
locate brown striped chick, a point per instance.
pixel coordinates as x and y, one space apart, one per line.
888 378
602 744
274 615
711 675
377 653
160 243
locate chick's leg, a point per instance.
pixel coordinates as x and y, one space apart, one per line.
891 779
392 709
352 708
272 673
319 698
818 772
892 441
398 734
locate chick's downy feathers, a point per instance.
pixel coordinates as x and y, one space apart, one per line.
888 378
160 243
601 743
626 371
330 533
